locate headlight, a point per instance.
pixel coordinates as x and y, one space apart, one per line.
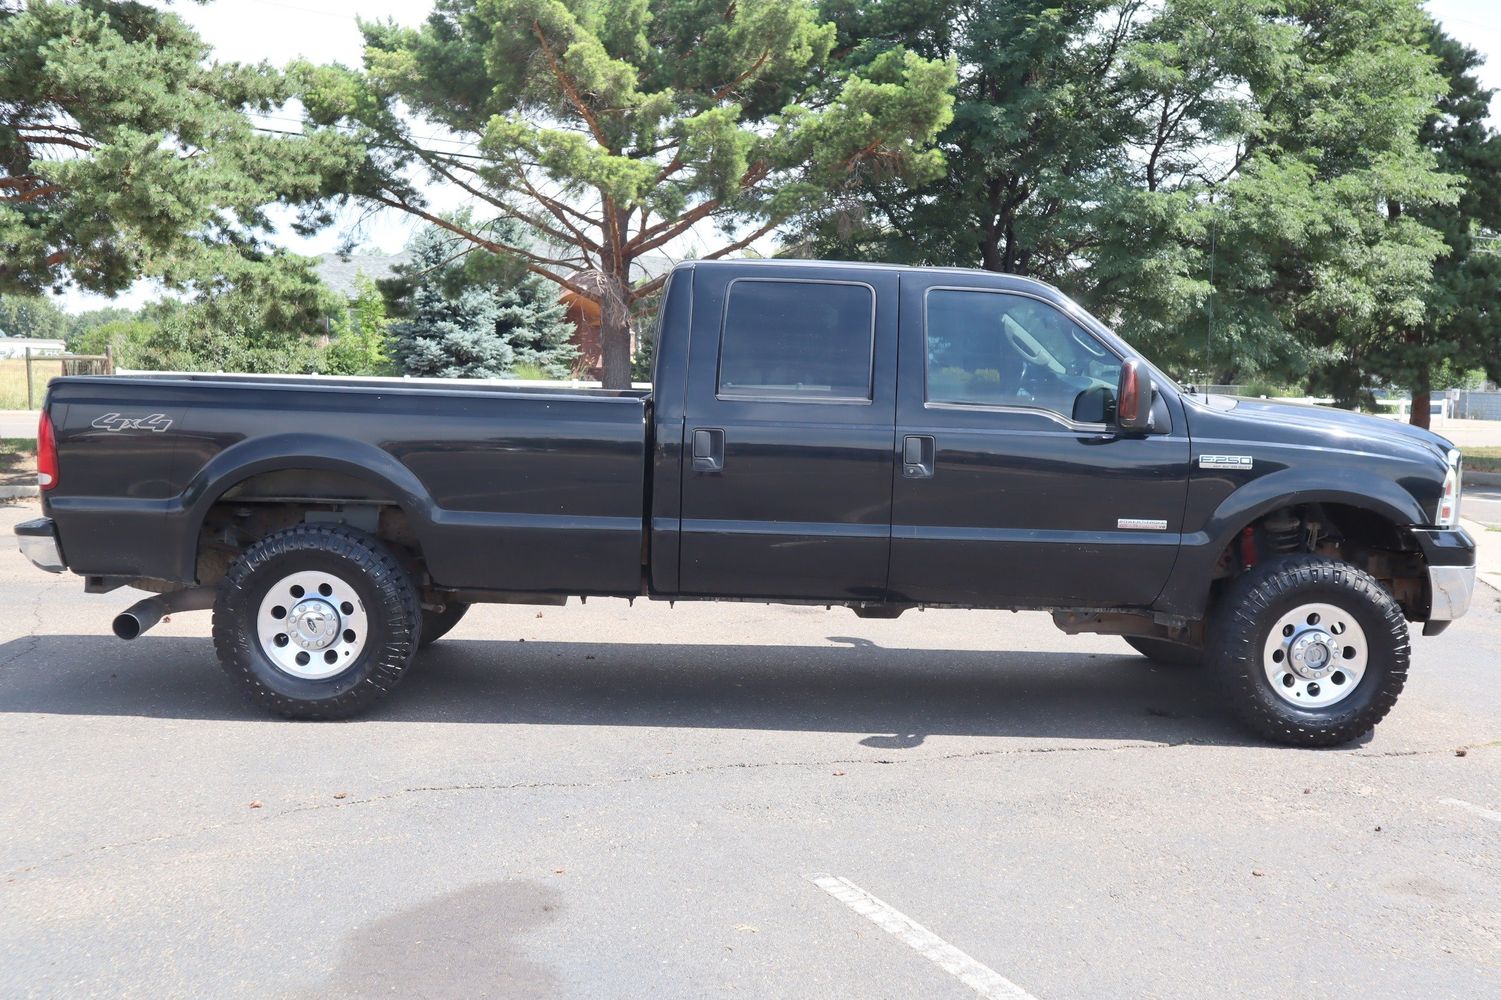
1448 504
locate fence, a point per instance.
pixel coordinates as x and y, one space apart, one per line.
23 381
1477 405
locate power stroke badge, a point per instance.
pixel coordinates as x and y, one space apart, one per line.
114 422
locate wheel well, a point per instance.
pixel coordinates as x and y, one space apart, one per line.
1345 532
256 506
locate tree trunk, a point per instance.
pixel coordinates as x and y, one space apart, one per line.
1421 400
614 332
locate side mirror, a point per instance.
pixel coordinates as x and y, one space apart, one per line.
1133 407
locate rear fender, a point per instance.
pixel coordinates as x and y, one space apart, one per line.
281 452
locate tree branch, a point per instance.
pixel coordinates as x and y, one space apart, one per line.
568 87
719 94
654 236
535 263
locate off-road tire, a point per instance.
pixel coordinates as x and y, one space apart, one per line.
390 602
437 624
1253 603
1168 654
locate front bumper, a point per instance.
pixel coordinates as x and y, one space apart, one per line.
38 541
1450 555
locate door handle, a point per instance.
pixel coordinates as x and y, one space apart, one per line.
708 449
918 454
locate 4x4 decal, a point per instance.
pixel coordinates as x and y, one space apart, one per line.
115 422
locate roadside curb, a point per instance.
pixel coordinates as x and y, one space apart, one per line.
18 492
1482 478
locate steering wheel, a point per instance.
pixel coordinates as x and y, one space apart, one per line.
1029 354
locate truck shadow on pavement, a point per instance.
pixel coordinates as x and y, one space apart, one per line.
893 698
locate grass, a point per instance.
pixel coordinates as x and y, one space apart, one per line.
13 380
1483 459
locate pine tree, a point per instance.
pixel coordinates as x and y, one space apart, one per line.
610 128
532 320
450 329
126 152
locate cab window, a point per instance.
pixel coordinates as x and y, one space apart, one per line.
998 349
797 340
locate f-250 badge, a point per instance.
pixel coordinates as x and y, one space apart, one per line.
157 422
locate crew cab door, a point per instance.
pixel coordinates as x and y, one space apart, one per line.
788 437
1013 487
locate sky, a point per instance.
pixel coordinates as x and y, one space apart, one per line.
278 31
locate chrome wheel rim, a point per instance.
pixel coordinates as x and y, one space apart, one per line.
1315 655
312 625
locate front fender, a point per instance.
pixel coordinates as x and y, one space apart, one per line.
1187 590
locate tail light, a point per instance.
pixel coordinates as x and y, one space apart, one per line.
46 453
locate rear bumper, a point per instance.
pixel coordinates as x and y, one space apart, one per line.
38 541
1450 555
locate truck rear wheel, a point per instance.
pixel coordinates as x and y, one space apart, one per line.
1169 654
1313 651
437 624
316 622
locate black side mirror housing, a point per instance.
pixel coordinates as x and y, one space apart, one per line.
1133 407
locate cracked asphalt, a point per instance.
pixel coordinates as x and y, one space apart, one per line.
604 801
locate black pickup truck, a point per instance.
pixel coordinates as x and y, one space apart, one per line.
876 437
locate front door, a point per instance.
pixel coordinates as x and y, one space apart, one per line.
788 437
1015 489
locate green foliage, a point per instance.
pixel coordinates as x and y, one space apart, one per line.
532 320
610 128
267 316
531 373
125 152
361 334
80 325
1456 326
476 315
1187 168
127 340
450 325
31 316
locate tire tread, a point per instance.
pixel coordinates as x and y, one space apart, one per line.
234 644
1235 652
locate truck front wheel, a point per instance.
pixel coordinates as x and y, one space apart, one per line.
317 621
1313 651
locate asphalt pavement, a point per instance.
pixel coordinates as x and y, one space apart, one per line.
607 801
1482 504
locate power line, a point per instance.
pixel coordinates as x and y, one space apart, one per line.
381 145
352 128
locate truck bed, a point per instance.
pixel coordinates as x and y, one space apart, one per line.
537 489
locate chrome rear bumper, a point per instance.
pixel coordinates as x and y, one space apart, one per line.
38 541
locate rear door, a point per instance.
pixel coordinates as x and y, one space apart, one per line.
1016 489
788 438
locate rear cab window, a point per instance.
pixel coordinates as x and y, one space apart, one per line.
797 340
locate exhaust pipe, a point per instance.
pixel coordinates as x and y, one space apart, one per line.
142 615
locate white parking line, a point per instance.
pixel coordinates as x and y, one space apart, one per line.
980 978
1490 814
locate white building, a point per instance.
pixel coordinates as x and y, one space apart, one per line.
15 347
